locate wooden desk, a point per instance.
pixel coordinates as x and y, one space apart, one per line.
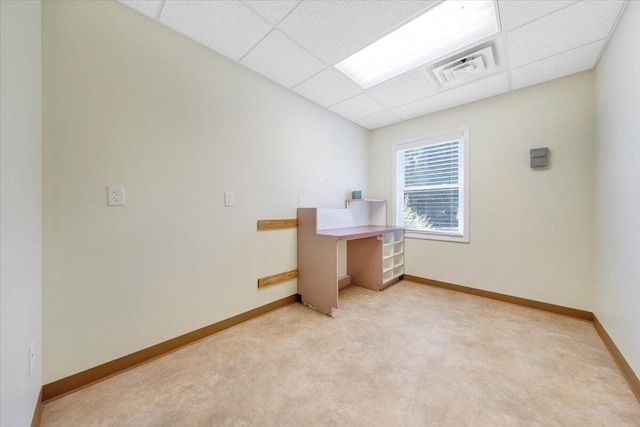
318 254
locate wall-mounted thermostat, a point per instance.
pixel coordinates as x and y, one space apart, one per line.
539 157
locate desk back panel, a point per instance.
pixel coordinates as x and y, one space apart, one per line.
357 213
334 218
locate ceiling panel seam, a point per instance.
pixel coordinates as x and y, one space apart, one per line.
157 18
448 90
386 110
346 99
562 53
325 69
505 45
507 61
543 16
256 45
290 12
284 33
613 28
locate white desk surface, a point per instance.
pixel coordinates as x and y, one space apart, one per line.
349 233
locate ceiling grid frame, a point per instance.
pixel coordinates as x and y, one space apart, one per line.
538 17
157 18
245 2
505 43
613 28
344 89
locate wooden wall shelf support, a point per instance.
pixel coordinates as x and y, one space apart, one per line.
268 224
277 278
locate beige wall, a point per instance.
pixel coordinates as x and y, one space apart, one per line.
617 303
129 102
20 211
531 231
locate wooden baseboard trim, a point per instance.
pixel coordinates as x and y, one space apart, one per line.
83 379
37 412
277 278
558 309
627 372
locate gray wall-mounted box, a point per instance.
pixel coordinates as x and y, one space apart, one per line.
539 157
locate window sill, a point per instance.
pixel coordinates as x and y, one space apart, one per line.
433 236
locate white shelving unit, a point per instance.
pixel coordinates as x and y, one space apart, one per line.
392 256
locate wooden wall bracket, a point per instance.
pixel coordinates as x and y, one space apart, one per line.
268 224
277 278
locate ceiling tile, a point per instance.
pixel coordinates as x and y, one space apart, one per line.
281 60
378 120
295 43
402 90
327 87
333 30
514 13
151 8
475 91
574 26
573 61
227 27
273 11
358 107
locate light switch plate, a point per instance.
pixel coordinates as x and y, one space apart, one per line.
229 199
32 357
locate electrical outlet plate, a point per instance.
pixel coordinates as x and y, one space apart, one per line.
115 195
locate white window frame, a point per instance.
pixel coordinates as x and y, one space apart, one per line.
434 138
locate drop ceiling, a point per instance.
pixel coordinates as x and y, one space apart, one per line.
297 43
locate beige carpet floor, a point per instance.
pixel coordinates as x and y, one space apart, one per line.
412 355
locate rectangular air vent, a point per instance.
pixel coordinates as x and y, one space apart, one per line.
472 64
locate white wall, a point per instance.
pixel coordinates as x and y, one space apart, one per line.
617 302
129 102
20 211
531 231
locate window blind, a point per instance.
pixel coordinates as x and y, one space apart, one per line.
430 185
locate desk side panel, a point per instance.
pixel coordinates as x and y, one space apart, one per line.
317 264
364 262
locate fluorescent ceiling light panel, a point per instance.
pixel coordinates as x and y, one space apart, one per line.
443 29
